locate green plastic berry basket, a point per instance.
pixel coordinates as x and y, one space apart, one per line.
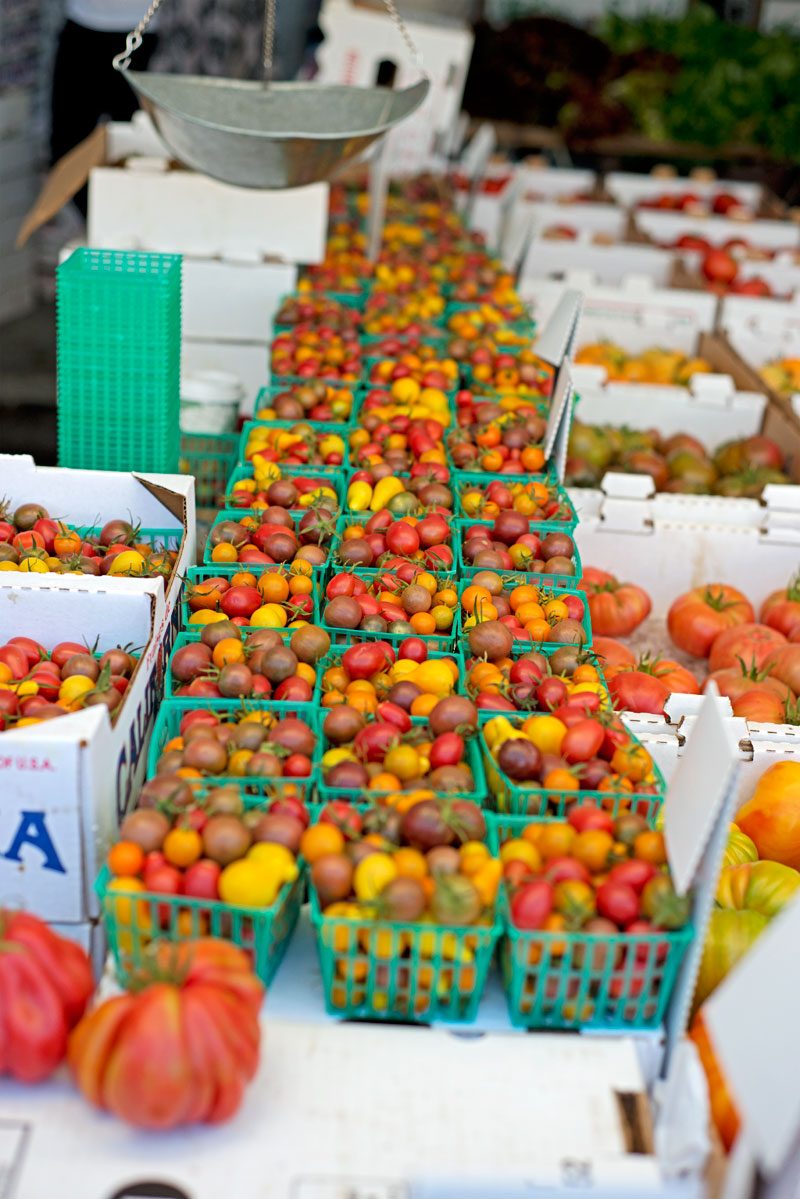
469 481
170 684
283 383
236 514
466 570
349 300
319 430
213 570
332 475
133 919
260 788
447 574
548 591
445 641
472 758
548 648
575 980
414 973
540 803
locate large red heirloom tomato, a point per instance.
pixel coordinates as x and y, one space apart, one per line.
174 1052
615 608
698 617
45 984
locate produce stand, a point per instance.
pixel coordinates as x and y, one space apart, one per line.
396 882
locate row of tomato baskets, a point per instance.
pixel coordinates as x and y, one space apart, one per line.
383 694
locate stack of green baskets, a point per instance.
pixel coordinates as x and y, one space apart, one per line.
119 345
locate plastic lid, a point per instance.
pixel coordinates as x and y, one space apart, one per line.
212 387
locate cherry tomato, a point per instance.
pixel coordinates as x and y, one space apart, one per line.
532 904
618 902
582 741
446 750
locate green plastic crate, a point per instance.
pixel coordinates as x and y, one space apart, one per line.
133 919
536 802
384 970
210 457
119 335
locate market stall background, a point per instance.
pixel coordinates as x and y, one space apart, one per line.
436 335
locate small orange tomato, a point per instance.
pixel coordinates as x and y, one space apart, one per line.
125 858
182 846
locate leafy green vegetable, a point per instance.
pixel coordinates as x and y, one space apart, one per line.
729 84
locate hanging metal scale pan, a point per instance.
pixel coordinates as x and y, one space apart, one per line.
267 135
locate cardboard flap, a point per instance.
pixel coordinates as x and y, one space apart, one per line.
66 178
757 1053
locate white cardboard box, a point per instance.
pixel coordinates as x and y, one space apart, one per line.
392 1138
358 39
156 208
66 782
578 265
248 361
629 188
233 301
82 496
180 212
664 228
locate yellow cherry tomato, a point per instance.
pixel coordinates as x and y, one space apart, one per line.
372 874
546 733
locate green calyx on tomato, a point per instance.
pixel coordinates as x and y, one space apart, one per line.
716 599
662 905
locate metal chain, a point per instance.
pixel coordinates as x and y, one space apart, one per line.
269 37
391 8
122 61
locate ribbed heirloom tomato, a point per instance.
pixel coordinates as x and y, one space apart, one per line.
700 615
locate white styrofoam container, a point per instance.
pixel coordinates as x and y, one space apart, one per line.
629 188
358 39
529 222
389 1141
578 265
761 318
637 315
664 228
670 543
181 212
713 414
89 497
66 782
235 301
